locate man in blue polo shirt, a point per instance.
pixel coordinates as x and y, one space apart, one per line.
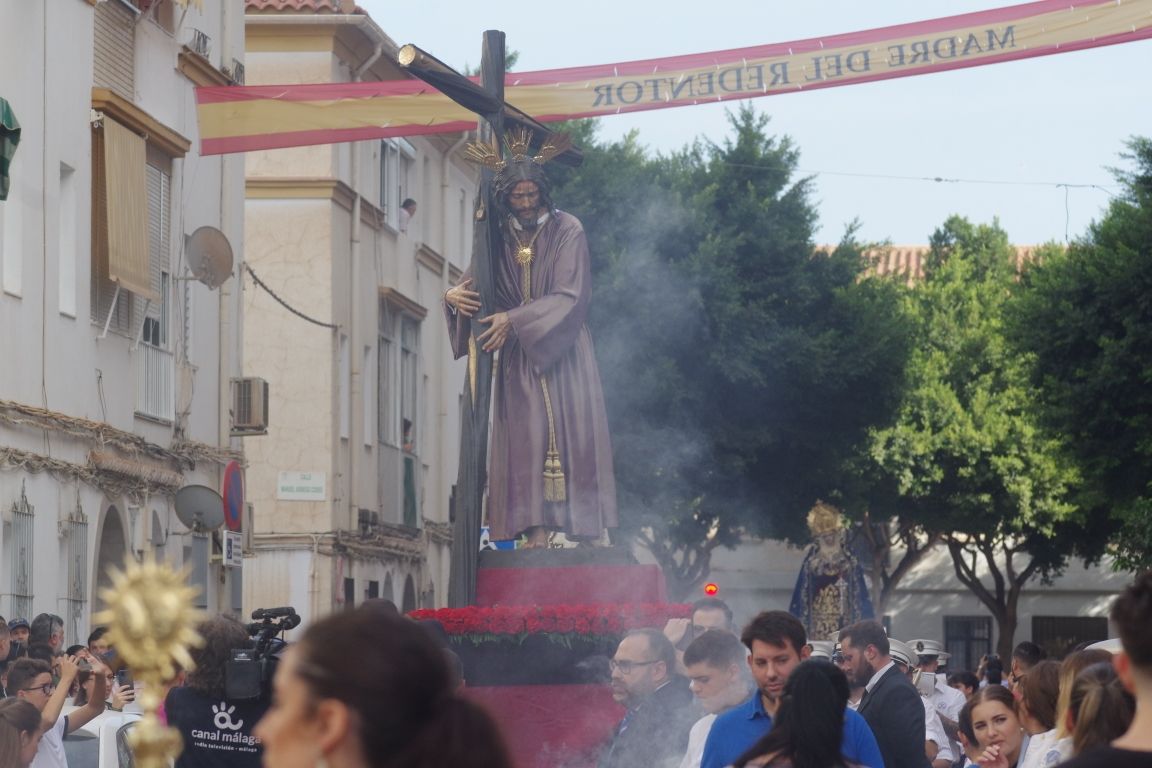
778 643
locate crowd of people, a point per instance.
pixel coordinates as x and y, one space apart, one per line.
694 694
774 697
327 702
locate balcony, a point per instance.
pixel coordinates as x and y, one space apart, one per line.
155 379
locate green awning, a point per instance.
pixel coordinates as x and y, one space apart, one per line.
9 138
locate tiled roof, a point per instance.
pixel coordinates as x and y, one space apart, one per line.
304 6
908 260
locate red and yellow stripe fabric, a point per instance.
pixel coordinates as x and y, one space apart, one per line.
239 118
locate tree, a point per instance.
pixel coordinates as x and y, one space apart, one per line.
1084 317
741 367
967 450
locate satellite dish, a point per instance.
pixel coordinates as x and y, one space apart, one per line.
209 256
200 508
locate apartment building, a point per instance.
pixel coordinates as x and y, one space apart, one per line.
351 488
116 361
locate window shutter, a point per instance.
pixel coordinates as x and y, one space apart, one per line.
126 210
114 49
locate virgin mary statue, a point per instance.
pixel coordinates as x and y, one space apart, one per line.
830 590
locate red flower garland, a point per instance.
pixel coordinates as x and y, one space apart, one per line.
564 623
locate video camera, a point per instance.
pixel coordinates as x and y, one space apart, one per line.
248 674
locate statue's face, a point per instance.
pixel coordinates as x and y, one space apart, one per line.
829 541
524 202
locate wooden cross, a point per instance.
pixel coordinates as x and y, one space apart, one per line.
496 115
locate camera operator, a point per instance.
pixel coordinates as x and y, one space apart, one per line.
217 730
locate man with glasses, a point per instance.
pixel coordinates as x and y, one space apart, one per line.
31 679
660 711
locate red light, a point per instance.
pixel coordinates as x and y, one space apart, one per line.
711 589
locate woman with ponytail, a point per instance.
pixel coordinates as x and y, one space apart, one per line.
1099 709
809 726
363 689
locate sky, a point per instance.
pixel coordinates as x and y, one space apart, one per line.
1027 142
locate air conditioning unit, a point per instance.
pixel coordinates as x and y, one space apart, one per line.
249 406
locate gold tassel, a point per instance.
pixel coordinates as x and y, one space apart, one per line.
555 488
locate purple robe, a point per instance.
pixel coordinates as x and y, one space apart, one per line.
549 338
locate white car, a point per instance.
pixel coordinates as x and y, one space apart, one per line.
102 742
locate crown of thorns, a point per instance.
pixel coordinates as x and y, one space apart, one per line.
518 143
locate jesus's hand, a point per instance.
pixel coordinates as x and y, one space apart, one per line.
462 298
494 338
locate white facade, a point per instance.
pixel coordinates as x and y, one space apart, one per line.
930 602
98 429
351 488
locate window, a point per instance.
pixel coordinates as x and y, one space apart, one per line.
115 49
76 552
122 207
155 393
67 243
12 236
1060 634
367 415
155 330
385 405
968 639
389 185
398 410
345 382
409 371
18 550
349 593
156 310
396 159
132 157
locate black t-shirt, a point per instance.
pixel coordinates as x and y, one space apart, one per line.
217 732
1110 757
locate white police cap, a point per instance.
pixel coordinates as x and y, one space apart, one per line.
930 648
821 649
900 652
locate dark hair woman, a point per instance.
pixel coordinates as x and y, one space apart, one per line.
19 732
339 705
809 726
1038 690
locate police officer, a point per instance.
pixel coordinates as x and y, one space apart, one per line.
937 744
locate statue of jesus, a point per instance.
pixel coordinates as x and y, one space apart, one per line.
550 461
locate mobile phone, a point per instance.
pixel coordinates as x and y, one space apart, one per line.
124 677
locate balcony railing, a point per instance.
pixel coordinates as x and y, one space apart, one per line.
155 391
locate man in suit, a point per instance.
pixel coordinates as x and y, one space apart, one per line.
891 704
660 710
